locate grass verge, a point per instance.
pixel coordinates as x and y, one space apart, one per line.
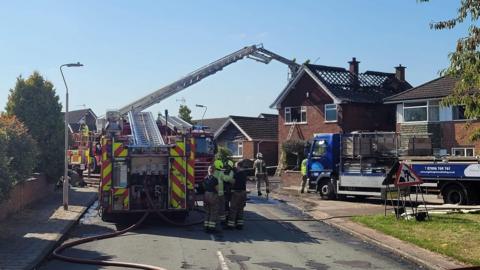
455 235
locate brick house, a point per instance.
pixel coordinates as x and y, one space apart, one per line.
326 99
246 136
418 111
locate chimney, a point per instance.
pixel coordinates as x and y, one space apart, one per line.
400 73
354 71
354 66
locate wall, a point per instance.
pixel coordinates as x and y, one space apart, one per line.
291 178
367 117
315 111
25 193
445 135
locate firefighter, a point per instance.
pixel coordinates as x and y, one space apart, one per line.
261 173
227 188
239 197
303 171
84 133
210 185
222 176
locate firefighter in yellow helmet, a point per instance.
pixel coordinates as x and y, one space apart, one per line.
223 175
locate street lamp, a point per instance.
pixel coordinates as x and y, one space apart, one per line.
202 106
65 173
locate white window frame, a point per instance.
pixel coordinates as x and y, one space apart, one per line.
288 110
330 109
464 151
239 148
429 104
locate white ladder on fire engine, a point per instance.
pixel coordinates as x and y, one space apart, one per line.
145 132
280 165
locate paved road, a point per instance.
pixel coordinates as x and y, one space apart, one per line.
267 242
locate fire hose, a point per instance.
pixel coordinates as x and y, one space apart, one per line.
58 250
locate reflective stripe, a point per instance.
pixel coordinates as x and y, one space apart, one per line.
240 222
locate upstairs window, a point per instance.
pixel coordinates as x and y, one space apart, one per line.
415 111
458 112
463 152
426 111
296 114
330 112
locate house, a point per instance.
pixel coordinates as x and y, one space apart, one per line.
77 117
246 136
418 112
326 99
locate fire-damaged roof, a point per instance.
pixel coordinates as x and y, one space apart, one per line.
343 86
437 88
254 128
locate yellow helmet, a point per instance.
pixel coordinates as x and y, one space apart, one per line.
218 164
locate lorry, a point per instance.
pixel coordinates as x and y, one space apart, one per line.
143 171
357 163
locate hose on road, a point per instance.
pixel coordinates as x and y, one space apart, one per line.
58 250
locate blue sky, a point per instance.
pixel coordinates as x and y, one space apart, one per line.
131 48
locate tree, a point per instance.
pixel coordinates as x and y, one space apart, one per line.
223 153
294 147
18 153
184 113
34 102
465 61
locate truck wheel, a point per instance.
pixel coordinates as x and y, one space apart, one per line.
326 189
454 194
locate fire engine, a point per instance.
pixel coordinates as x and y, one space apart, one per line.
141 171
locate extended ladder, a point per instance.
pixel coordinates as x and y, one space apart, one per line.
145 132
280 165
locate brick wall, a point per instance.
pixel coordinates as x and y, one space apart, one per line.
445 135
291 178
25 193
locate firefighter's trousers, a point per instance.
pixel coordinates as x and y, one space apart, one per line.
211 210
262 177
304 182
235 216
221 208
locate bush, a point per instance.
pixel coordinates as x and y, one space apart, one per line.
18 153
223 153
294 152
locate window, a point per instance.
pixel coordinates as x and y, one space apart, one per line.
236 148
296 114
421 111
458 112
330 112
463 152
319 148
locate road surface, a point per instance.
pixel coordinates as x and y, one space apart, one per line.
267 242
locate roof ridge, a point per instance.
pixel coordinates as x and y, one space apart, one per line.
413 88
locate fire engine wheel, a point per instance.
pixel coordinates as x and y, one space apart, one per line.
454 194
326 189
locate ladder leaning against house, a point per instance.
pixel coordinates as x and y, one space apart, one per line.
280 166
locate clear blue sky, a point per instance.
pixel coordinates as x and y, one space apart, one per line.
131 48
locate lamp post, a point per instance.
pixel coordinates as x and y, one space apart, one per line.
202 106
65 173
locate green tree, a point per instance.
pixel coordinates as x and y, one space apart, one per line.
223 153
18 153
294 148
465 61
184 113
34 102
